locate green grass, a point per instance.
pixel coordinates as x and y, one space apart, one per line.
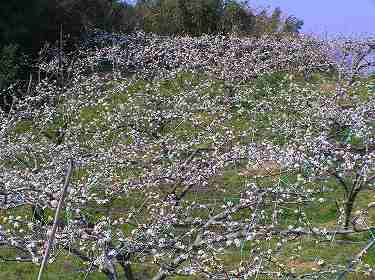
65 268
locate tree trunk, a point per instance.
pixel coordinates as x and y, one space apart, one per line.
348 212
128 272
122 260
349 205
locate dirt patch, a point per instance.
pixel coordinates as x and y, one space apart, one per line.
67 266
266 168
328 88
301 265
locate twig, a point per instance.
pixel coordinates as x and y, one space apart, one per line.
55 223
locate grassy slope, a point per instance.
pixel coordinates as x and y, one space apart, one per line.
222 187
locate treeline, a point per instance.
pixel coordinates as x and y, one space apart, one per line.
197 17
25 26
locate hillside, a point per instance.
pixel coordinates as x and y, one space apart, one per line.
190 175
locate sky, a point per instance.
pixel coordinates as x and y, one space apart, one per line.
327 17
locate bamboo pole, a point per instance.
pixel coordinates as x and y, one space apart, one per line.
55 221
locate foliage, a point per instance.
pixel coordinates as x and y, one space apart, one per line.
292 24
200 17
8 65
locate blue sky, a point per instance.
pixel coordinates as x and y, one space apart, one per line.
330 17
333 17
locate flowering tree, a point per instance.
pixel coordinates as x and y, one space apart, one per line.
354 56
135 169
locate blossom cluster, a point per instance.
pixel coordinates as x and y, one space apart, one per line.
224 57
